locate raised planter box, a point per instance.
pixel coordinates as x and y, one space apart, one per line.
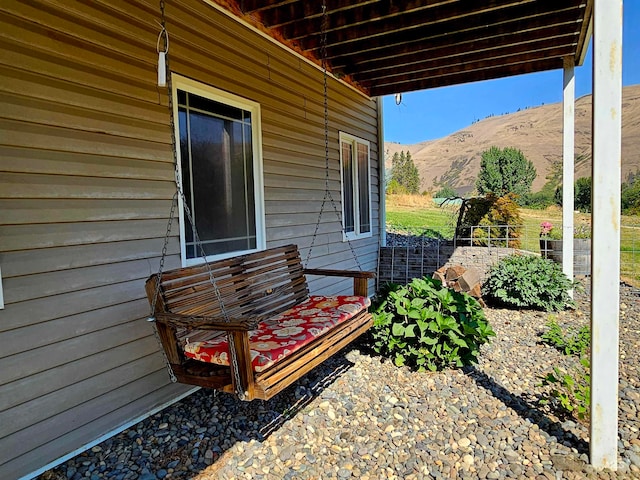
552 249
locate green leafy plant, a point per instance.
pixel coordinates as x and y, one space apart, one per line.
573 392
574 342
528 281
427 326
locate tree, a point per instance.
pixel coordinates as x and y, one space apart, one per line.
404 173
630 195
581 194
505 171
446 191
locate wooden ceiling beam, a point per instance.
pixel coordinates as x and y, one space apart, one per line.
254 6
361 14
520 42
447 31
448 18
428 63
391 46
459 77
469 62
506 33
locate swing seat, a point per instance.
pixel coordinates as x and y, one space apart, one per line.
262 301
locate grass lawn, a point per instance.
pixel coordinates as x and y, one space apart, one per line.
417 214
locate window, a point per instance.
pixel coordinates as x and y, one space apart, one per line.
356 186
220 169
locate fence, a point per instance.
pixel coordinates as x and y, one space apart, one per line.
410 255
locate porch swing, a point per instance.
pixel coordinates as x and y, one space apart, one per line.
247 325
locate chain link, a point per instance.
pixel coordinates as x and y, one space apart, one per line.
324 26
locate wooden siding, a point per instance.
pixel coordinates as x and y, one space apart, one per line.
86 180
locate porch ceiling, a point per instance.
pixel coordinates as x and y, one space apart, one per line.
392 46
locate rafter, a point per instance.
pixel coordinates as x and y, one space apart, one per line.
389 46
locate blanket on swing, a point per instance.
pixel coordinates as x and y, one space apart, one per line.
285 333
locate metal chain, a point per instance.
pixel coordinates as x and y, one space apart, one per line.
327 191
231 341
152 318
180 192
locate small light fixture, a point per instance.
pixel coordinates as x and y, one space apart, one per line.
162 60
398 98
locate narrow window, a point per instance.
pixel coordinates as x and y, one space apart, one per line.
356 186
220 170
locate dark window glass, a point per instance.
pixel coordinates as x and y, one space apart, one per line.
217 176
363 188
347 185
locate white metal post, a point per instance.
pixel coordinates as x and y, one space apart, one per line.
605 241
568 136
382 181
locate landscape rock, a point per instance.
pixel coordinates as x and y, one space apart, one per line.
484 421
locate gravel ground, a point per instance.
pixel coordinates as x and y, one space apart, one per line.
358 416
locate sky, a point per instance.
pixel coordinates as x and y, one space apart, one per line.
438 112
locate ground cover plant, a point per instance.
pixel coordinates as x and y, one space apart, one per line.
427 326
573 342
571 391
528 281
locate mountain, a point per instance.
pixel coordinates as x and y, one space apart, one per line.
537 131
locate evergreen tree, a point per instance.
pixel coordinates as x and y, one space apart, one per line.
505 171
404 173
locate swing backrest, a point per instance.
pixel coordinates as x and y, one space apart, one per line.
260 283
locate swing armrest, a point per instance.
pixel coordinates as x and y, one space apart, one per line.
339 273
360 279
209 323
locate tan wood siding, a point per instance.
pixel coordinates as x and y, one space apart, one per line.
86 181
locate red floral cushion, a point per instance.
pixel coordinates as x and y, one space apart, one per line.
285 333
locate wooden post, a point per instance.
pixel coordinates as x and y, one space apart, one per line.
361 286
568 128
605 239
245 370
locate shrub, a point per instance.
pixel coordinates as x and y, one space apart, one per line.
538 200
528 281
446 191
427 326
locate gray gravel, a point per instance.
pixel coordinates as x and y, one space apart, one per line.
357 416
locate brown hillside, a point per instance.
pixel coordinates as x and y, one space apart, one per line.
536 131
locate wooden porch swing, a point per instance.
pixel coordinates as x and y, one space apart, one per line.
247 324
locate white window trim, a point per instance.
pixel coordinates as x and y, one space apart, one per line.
182 83
355 235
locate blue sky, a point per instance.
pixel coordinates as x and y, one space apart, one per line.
435 113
